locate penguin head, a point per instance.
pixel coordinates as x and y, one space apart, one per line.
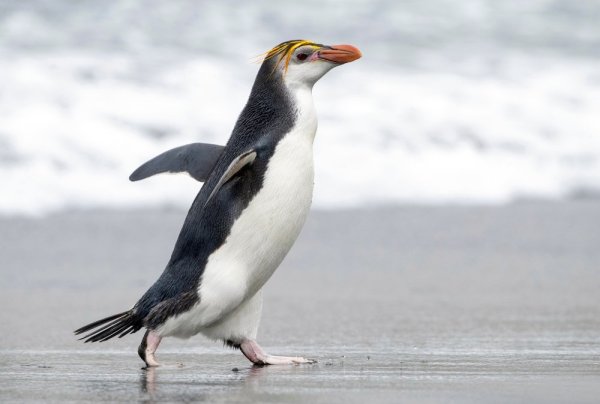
303 63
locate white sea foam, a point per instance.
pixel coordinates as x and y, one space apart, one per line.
444 126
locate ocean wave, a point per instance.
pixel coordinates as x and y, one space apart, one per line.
437 126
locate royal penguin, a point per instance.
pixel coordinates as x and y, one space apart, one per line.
256 195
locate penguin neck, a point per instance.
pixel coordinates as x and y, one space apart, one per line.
306 116
269 113
276 107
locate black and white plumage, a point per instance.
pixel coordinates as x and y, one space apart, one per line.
245 218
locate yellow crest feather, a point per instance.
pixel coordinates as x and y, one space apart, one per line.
285 50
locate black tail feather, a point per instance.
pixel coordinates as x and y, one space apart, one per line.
105 327
99 322
119 324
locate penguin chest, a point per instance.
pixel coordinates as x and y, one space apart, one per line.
264 232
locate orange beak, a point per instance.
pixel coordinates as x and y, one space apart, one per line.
339 53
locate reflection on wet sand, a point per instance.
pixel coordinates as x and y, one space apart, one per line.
152 387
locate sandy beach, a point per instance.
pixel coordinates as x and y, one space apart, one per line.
420 304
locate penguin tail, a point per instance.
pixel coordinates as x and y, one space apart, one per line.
116 325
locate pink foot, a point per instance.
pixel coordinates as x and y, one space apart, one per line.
148 347
256 355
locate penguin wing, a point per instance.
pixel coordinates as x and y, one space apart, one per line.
236 165
197 159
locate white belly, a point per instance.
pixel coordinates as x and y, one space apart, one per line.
264 233
259 239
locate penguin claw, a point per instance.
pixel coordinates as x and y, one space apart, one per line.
150 361
301 361
285 360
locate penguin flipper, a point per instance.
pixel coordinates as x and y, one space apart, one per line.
197 159
236 165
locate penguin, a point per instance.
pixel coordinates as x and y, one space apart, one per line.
256 196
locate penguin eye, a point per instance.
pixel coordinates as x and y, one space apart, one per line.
302 56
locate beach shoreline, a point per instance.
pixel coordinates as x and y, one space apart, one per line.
422 303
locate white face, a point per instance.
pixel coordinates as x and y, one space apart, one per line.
306 67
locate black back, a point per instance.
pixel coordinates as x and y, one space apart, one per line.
268 115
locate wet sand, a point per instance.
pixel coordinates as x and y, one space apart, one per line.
420 304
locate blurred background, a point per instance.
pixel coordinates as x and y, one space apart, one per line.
474 101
